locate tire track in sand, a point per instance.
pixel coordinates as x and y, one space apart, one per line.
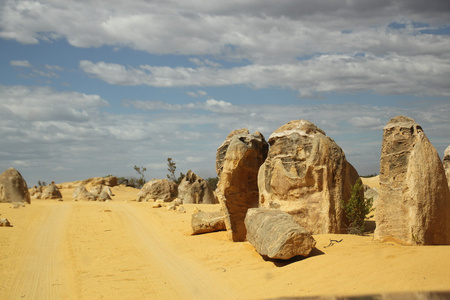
189 279
41 272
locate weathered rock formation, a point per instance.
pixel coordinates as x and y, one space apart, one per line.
307 175
203 222
222 150
36 192
51 192
193 189
414 203
158 189
97 181
81 194
275 234
446 162
237 189
13 187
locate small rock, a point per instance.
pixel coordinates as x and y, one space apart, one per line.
181 210
203 222
156 205
5 223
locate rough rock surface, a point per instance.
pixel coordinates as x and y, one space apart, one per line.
222 150
275 234
237 189
446 162
414 203
36 192
51 192
158 189
203 222
307 175
193 189
13 187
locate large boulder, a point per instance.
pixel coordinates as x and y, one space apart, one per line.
13 187
51 192
237 189
307 175
413 207
193 189
446 162
158 189
203 222
275 234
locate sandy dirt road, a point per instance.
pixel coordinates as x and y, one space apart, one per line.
102 251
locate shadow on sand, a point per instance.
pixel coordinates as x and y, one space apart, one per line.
282 263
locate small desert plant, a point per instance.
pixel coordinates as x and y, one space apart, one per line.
357 209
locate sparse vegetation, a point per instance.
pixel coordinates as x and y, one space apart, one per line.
171 167
136 182
212 181
370 175
42 183
357 209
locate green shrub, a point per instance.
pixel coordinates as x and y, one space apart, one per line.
357 209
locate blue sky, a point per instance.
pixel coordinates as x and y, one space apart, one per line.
91 88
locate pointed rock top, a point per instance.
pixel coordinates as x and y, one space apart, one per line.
302 127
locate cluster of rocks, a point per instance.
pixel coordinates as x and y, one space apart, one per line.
96 193
276 197
192 189
277 193
46 192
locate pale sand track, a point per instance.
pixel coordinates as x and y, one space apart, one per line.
97 250
127 250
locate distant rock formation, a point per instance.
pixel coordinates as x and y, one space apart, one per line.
193 189
98 193
239 159
51 192
158 189
36 192
203 222
414 203
307 175
446 162
276 234
80 193
97 181
13 187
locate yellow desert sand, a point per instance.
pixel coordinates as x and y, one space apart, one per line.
124 249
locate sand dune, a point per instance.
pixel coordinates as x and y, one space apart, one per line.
127 250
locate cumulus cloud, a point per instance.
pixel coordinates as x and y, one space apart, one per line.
259 31
393 74
21 63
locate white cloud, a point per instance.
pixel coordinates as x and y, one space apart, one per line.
21 63
258 31
393 74
197 94
366 122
